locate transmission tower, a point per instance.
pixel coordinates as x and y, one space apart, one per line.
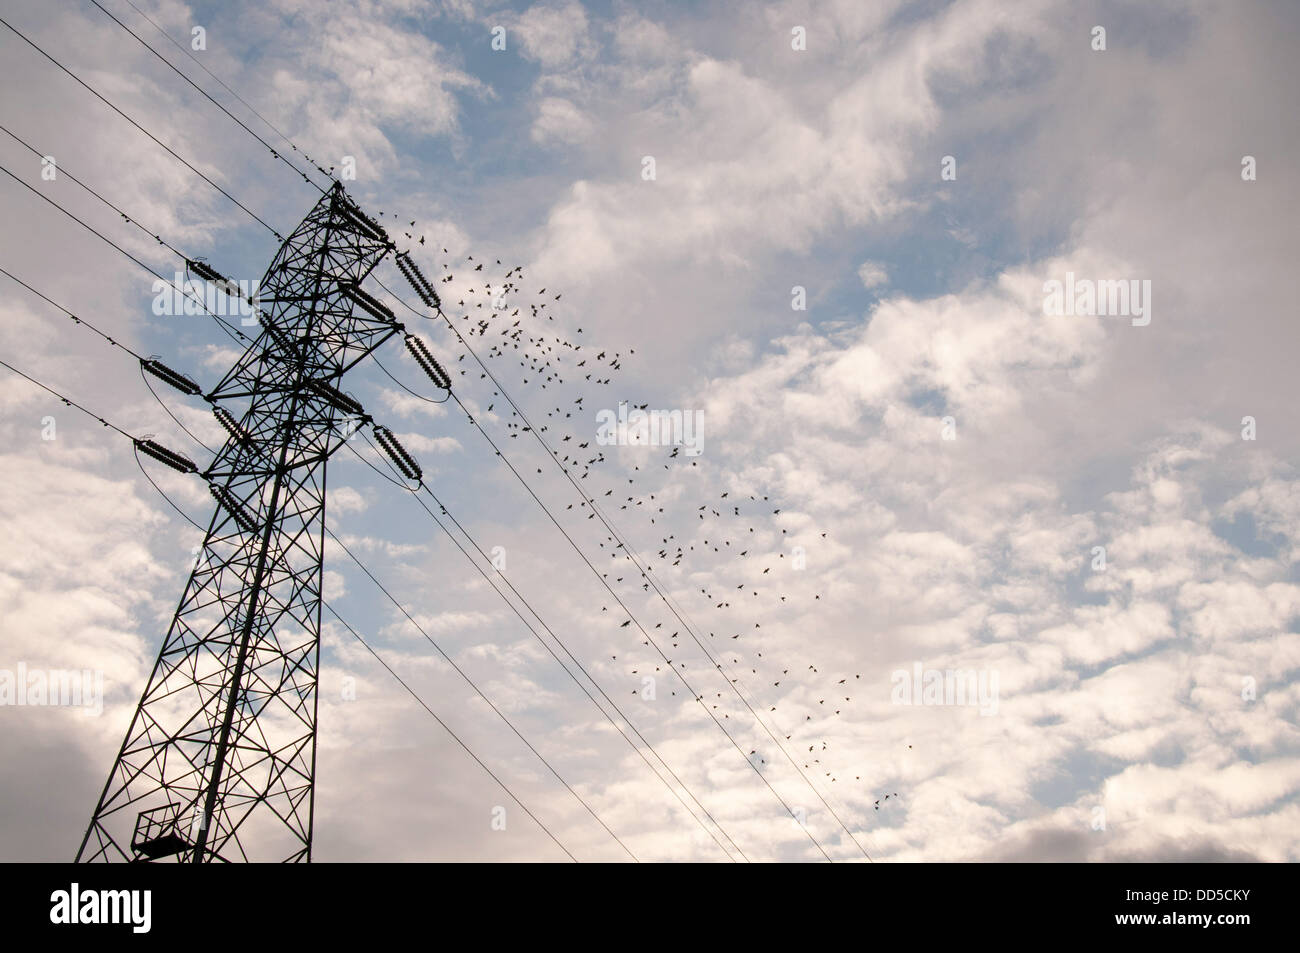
219 761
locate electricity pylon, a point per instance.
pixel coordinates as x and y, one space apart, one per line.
219 761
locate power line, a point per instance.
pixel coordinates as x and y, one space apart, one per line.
200 65
169 150
514 797
229 328
582 669
642 629
576 662
646 571
81 321
698 697
649 639
461 672
606 584
69 401
269 148
63 171
81 222
673 605
647 574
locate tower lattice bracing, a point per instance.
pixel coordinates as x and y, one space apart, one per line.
219 761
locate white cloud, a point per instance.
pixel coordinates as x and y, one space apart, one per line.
558 120
553 34
873 274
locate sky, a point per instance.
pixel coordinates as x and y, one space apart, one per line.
829 232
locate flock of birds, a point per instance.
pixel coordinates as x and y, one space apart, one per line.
735 531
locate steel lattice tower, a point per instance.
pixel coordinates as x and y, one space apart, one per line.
219 761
